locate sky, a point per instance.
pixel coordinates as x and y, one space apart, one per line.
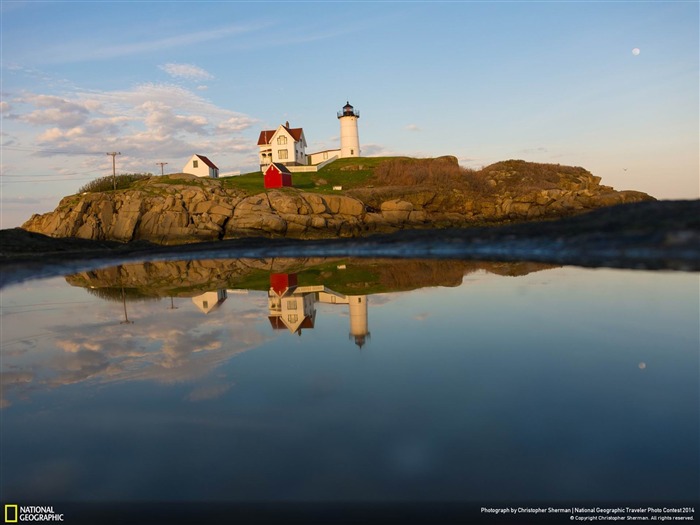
612 86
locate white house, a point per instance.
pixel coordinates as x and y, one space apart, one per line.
201 166
323 156
284 145
287 145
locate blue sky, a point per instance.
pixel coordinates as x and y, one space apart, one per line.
553 82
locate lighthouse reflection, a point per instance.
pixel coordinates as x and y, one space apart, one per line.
293 307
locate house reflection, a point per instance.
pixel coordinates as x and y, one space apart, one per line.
209 301
294 307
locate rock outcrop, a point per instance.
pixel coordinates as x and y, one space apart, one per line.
182 208
188 278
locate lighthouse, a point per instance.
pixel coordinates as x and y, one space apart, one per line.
359 330
349 136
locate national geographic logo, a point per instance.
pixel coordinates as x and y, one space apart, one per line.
23 514
10 513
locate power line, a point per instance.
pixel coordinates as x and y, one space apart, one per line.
40 180
161 164
57 152
3 175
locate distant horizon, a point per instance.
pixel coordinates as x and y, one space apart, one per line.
610 87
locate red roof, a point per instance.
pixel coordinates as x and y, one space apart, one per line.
280 167
308 322
276 322
266 135
207 161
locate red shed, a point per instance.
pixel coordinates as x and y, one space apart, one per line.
277 175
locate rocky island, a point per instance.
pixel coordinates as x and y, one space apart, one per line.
348 198
512 211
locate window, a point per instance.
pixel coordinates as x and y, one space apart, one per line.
282 154
291 304
352 152
293 318
195 164
281 141
205 304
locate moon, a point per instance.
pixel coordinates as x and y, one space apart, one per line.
636 51
642 365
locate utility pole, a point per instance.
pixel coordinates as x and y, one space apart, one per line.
114 167
161 164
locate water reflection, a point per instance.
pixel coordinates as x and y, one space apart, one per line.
294 307
138 342
242 380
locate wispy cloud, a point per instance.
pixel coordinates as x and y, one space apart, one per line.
412 127
186 71
530 151
79 53
21 200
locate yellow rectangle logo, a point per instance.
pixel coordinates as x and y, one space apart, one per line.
10 511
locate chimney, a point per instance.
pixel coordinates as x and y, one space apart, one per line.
286 125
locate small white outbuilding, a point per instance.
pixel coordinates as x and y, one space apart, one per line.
201 166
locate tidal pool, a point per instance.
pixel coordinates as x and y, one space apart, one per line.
351 381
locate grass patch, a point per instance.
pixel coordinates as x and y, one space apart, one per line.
350 173
249 182
354 280
182 182
107 183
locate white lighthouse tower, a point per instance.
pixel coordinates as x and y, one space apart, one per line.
349 137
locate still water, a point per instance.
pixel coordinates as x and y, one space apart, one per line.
351 380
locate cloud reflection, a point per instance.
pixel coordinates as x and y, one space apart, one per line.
168 349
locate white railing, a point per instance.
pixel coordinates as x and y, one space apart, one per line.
311 169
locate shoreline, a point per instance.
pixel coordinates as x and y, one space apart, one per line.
653 235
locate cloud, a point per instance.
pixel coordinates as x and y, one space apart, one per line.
148 121
163 120
530 151
472 162
185 347
54 110
233 125
412 127
21 200
82 51
5 107
206 392
375 150
186 71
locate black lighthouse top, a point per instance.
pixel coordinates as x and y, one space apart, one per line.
348 111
